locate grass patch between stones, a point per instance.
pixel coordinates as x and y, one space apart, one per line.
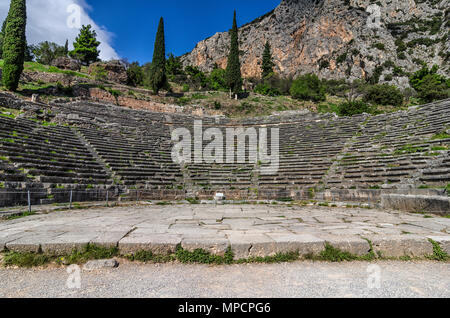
89 252
335 255
438 253
200 256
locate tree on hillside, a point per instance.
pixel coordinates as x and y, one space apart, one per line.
308 87
173 66
86 46
267 61
45 52
234 77
430 85
14 44
135 74
158 79
2 34
66 48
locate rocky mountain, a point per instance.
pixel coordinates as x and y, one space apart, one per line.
340 39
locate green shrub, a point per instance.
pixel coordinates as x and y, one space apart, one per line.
336 87
375 78
197 79
216 80
281 85
379 46
217 105
429 85
308 87
266 89
99 73
341 58
324 64
354 108
383 94
135 74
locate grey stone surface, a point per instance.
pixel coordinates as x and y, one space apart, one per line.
100 264
216 246
156 243
304 244
444 241
23 247
250 230
401 245
416 203
348 243
62 247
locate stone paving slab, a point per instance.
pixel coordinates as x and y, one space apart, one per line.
156 243
249 230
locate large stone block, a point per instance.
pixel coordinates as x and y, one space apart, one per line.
304 244
67 63
348 243
63 247
401 245
23 246
115 71
215 246
416 203
160 244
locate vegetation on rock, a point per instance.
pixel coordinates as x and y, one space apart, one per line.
308 87
430 85
384 94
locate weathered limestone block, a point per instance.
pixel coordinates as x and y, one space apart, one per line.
416 203
67 63
115 71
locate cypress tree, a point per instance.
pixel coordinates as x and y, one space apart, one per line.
14 44
233 75
2 36
267 61
66 48
158 78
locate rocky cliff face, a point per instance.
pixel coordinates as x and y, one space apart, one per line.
339 39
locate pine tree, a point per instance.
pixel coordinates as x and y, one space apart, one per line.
2 36
158 78
86 46
267 61
14 44
233 76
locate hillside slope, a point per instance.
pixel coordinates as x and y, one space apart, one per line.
339 39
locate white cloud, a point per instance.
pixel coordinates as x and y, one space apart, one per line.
47 21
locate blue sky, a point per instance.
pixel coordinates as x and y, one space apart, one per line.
133 23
